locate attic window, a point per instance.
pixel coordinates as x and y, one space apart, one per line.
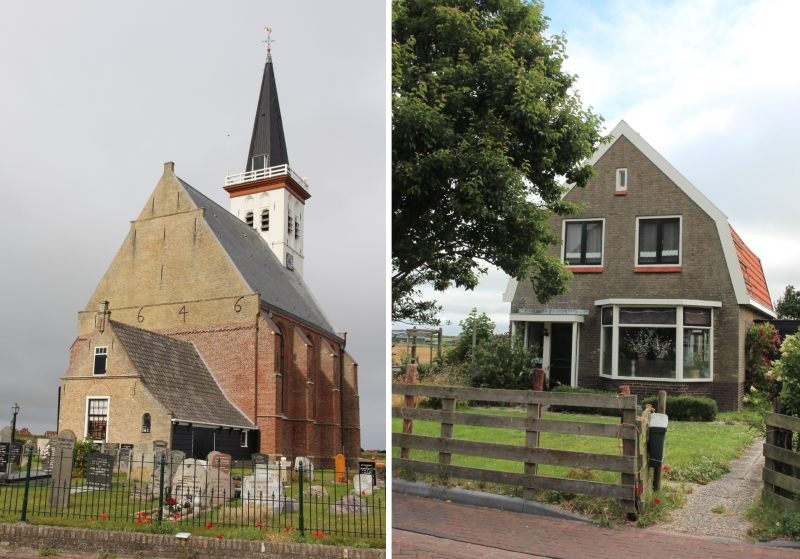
146 423
265 220
622 181
248 218
259 162
100 357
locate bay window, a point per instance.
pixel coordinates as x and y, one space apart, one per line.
656 342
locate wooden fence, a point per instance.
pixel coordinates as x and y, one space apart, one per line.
781 462
632 464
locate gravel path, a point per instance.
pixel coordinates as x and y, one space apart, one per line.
734 491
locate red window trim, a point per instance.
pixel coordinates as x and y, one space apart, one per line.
657 269
620 192
585 269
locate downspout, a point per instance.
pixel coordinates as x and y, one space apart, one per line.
341 393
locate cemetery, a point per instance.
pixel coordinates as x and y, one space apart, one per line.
149 487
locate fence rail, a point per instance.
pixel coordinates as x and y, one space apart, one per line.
631 464
781 461
195 493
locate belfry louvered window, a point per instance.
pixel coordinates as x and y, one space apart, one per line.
248 218
265 220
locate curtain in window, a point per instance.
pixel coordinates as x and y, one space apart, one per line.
648 237
573 242
671 242
645 315
594 242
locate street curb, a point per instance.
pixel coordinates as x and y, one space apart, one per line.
481 499
85 540
778 543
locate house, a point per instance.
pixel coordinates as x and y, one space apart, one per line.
24 431
663 288
203 334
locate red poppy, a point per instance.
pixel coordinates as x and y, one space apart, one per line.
208 525
259 523
666 469
319 534
177 515
103 516
639 489
142 514
139 521
657 502
93 519
147 521
218 537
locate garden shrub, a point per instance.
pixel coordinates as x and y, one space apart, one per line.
500 363
762 341
611 412
787 369
686 408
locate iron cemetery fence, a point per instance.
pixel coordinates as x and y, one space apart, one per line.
632 463
171 492
781 461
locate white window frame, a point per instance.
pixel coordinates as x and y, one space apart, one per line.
245 433
679 328
94 355
564 242
619 186
680 242
108 416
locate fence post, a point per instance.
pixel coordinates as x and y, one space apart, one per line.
629 449
161 492
448 405
662 408
531 441
408 424
300 498
24 517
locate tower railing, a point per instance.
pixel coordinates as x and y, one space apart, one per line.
265 173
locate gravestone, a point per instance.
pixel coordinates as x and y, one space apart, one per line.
99 469
259 459
17 450
63 453
220 487
349 505
41 443
368 467
160 450
286 468
308 467
142 463
191 481
175 458
219 460
5 434
340 469
5 457
264 483
47 458
124 458
362 484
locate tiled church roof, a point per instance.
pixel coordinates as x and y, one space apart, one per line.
752 272
280 288
178 377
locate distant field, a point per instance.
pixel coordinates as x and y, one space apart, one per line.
423 352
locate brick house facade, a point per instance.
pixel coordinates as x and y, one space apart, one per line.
663 288
192 271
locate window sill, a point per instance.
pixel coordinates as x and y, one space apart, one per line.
656 269
585 269
620 192
656 379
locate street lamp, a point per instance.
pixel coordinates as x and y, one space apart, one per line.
15 411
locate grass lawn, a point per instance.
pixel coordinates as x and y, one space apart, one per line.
694 452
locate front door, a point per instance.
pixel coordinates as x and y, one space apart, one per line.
560 353
202 442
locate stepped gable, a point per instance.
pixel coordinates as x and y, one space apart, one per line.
178 377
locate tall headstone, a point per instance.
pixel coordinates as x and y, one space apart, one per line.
63 454
5 458
160 450
5 434
219 460
220 485
340 469
124 457
191 481
142 463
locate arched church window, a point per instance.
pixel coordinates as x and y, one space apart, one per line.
248 219
146 423
265 219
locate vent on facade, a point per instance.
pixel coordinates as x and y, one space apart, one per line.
249 219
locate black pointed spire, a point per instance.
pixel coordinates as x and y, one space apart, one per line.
268 139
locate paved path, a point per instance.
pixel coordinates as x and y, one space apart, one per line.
733 492
494 531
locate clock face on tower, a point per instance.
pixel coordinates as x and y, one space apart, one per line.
289 262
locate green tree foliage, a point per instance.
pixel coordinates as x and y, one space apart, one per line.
503 363
788 305
484 330
787 369
81 454
485 125
762 339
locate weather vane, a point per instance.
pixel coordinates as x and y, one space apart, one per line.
269 41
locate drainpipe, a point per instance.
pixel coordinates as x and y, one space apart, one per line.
341 393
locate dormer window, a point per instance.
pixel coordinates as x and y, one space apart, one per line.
248 218
100 357
265 220
259 162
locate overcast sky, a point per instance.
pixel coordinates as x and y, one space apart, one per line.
713 87
96 96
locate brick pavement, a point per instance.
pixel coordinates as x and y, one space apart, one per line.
544 537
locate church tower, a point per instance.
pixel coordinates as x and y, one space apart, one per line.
270 196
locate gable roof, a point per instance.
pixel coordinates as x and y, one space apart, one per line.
752 272
268 138
743 295
281 289
175 373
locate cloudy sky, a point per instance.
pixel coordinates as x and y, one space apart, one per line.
96 96
713 87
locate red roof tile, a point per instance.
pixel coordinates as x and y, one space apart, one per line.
752 272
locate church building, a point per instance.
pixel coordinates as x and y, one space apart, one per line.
202 332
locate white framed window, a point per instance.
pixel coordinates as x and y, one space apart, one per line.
97 418
655 342
659 241
622 180
243 439
260 162
583 242
100 360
